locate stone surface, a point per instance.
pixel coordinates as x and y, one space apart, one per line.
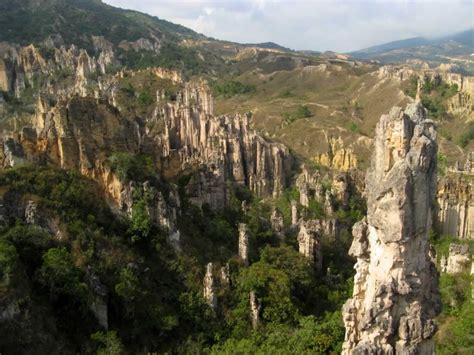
309 242
209 287
243 243
83 126
31 212
255 308
459 259
395 299
456 206
278 227
294 213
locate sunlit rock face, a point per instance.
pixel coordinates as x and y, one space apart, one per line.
395 299
79 129
456 206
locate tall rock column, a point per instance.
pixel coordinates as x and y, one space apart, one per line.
243 243
209 292
395 298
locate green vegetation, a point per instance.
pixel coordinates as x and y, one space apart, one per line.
25 22
171 56
455 334
434 93
412 88
467 135
232 88
302 111
442 164
154 296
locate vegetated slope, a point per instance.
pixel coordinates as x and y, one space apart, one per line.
33 21
327 107
367 53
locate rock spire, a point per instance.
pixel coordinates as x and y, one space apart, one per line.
395 298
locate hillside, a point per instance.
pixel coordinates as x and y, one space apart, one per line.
75 21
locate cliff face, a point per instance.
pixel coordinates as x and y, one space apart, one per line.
460 104
81 132
395 297
456 210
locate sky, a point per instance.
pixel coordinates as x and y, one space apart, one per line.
337 25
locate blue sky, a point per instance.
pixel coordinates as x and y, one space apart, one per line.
313 24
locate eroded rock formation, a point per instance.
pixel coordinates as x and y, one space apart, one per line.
456 206
81 133
309 242
209 288
459 259
395 298
243 243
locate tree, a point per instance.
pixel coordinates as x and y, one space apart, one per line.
110 343
8 260
60 275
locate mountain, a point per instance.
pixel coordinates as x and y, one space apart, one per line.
456 48
75 21
405 43
269 45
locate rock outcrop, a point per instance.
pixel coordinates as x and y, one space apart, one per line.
309 242
255 308
81 133
460 104
278 227
243 243
209 288
459 259
456 207
395 298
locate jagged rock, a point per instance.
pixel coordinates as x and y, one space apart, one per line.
225 275
31 212
304 197
209 292
13 153
81 133
459 259
309 242
395 298
340 188
174 239
277 224
243 243
443 263
294 213
456 207
328 204
255 308
339 156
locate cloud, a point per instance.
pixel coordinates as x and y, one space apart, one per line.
339 25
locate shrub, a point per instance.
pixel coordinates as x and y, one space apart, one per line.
129 166
302 111
59 274
232 88
467 136
8 259
110 343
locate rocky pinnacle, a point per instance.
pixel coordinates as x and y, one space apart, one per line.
395 298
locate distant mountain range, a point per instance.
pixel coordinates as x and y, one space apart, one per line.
457 48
